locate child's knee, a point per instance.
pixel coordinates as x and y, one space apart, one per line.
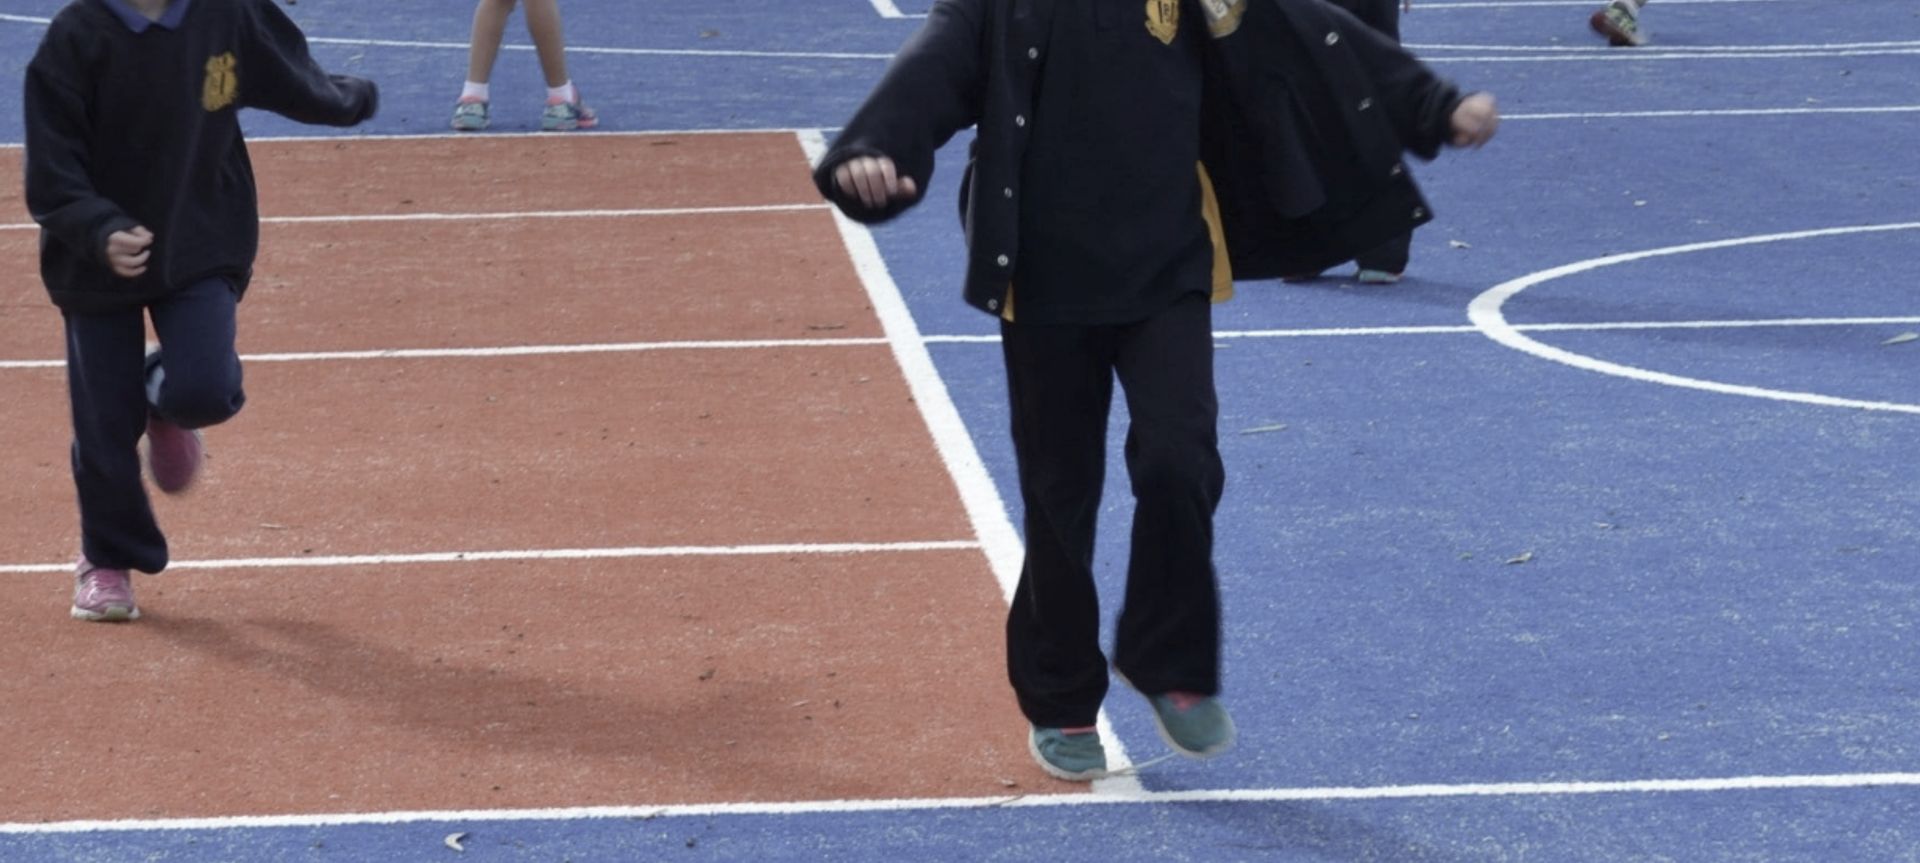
202 403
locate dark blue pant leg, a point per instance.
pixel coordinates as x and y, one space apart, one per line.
1060 382
1168 637
105 371
198 382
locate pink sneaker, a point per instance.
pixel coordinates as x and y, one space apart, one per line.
103 594
173 455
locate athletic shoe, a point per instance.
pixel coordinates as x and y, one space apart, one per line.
564 116
1376 277
1075 757
470 115
174 455
1300 278
1620 23
103 594
1196 725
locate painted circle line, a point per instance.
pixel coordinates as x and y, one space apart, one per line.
1485 312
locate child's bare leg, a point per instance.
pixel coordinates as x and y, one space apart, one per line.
489 28
543 24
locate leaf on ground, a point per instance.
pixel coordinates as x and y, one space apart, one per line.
1522 558
1902 339
453 841
1458 244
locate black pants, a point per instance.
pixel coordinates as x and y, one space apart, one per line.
196 384
1382 16
1061 382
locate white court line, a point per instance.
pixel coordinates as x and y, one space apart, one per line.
357 218
985 509
761 344
1548 53
1487 313
331 561
1425 5
1335 794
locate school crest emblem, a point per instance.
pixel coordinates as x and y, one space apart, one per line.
1163 20
222 84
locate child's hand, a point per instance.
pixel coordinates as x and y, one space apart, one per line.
1475 120
873 180
127 251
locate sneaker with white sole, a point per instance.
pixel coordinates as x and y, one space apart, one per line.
1619 21
103 594
174 453
564 116
1196 725
470 115
1075 755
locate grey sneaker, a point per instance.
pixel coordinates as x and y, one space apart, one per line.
102 594
1376 277
1619 21
1073 757
470 115
567 116
1196 725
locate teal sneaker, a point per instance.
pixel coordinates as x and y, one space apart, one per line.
562 116
1376 277
1076 757
1196 725
470 115
1620 23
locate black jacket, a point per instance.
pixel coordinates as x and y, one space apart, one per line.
128 129
1308 114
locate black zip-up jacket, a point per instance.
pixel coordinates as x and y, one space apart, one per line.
1308 114
127 129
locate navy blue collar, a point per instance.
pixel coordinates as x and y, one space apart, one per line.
139 23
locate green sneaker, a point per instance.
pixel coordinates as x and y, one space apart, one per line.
1074 757
567 116
1196 725
1620 23
470 115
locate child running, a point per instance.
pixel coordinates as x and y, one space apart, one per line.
1098 240
565 112
137 173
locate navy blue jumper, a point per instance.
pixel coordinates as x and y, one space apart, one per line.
135 122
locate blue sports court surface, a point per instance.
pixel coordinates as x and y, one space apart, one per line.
1597 538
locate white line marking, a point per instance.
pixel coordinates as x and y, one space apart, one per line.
1424 5
1486 314
1714 112
512 351
1551 53
985 509
376 218
1737 784
873 341
330 561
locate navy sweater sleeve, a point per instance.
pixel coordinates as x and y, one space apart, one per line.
931 91
60 193
278 74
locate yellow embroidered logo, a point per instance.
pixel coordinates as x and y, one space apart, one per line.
222 86
1163 19
1223 16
